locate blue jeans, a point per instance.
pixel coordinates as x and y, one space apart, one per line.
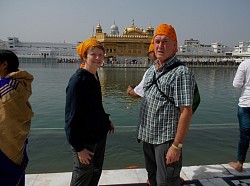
244 127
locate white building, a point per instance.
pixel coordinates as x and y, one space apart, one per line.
242 49
193 46
41 49
3 44
191 50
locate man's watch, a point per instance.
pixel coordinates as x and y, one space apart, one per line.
177 145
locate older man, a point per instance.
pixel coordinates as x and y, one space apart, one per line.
164 120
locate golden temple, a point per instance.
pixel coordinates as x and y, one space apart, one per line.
130 46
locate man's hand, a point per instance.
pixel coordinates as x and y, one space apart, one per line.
131 92
173 155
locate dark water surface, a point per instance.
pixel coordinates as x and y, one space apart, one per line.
212 137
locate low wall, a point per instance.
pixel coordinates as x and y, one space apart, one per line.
189 64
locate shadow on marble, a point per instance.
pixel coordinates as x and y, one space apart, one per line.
205 172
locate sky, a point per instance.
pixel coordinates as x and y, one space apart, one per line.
72 21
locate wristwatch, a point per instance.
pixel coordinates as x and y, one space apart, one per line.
178 145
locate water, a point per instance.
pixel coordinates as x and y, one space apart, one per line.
212 137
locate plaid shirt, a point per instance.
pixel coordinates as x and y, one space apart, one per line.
158 119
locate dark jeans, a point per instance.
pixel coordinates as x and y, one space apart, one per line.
244 126
89 174
159 173
12 174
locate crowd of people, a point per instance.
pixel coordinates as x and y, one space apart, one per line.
163 120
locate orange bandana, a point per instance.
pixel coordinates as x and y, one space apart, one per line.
151 47
84 46
167 30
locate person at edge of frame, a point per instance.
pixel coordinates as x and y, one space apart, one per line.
242 81
15 119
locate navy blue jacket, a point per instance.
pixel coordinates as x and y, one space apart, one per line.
86 122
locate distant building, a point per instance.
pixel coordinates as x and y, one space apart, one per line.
192 46
41 49
129 47
242 49
114 30
193 50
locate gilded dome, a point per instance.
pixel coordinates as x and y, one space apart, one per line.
150 28
133 30
98 26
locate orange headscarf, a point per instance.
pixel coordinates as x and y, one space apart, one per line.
167 30
151 47
84 46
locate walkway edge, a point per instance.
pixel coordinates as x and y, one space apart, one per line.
214 174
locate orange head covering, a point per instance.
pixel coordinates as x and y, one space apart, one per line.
151 47
84 46
167 30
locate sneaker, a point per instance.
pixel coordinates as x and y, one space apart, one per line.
237 166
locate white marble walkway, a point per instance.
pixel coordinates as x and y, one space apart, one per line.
207 175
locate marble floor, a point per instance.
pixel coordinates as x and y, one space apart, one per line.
206 175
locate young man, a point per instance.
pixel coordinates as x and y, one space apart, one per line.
242 81
163 126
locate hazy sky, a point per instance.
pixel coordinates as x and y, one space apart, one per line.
226 21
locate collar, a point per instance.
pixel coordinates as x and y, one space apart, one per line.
166 64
